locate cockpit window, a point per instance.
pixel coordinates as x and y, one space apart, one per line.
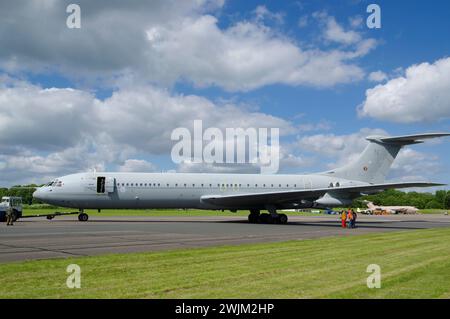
55 182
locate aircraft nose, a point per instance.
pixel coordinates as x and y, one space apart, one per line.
37 194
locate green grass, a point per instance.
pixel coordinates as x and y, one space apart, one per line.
149 212
414 264
432 211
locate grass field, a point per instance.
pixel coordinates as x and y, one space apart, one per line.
414 264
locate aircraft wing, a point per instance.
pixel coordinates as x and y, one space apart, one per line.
294 196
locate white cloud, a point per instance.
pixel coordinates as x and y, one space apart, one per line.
261 12
335 32
322 125
246 56
377 76
356 21
340 148
421 95
136 165
44 119
410 164
164 42
26 166
49 132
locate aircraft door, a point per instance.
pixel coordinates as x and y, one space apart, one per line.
105 184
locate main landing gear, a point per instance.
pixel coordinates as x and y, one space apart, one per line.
83 217
272 218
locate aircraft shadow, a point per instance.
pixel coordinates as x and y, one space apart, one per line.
330 224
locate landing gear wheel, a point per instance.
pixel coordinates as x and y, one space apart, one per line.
253 218
282 219
50 217
264 218
83 217
271 219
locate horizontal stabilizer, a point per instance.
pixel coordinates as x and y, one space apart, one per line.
407 139
294 196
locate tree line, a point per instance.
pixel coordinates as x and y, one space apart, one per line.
439 200
24 191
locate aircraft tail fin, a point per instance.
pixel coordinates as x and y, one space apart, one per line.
374 163
370 205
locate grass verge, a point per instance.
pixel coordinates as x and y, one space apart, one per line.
414 264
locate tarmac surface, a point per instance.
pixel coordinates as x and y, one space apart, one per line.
65 236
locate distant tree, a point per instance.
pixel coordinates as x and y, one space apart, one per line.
433 204
394 197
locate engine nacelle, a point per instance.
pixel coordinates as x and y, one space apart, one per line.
329 200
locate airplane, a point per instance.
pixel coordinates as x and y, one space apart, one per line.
391 209
253 192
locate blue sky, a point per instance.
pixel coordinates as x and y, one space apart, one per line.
126 65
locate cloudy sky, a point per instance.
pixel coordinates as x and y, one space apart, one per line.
108 95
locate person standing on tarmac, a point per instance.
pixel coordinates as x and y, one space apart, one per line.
354 220
9 216
344 219
349 218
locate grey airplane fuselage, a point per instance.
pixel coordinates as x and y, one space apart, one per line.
176 190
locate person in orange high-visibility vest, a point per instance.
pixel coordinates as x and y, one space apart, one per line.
344 218
350 218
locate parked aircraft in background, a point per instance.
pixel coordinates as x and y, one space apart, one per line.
253 192
372 209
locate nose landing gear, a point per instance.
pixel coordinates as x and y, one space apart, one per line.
83 217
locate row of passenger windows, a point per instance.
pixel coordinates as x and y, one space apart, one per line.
199 185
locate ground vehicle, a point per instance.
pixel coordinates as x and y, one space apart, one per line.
15 203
